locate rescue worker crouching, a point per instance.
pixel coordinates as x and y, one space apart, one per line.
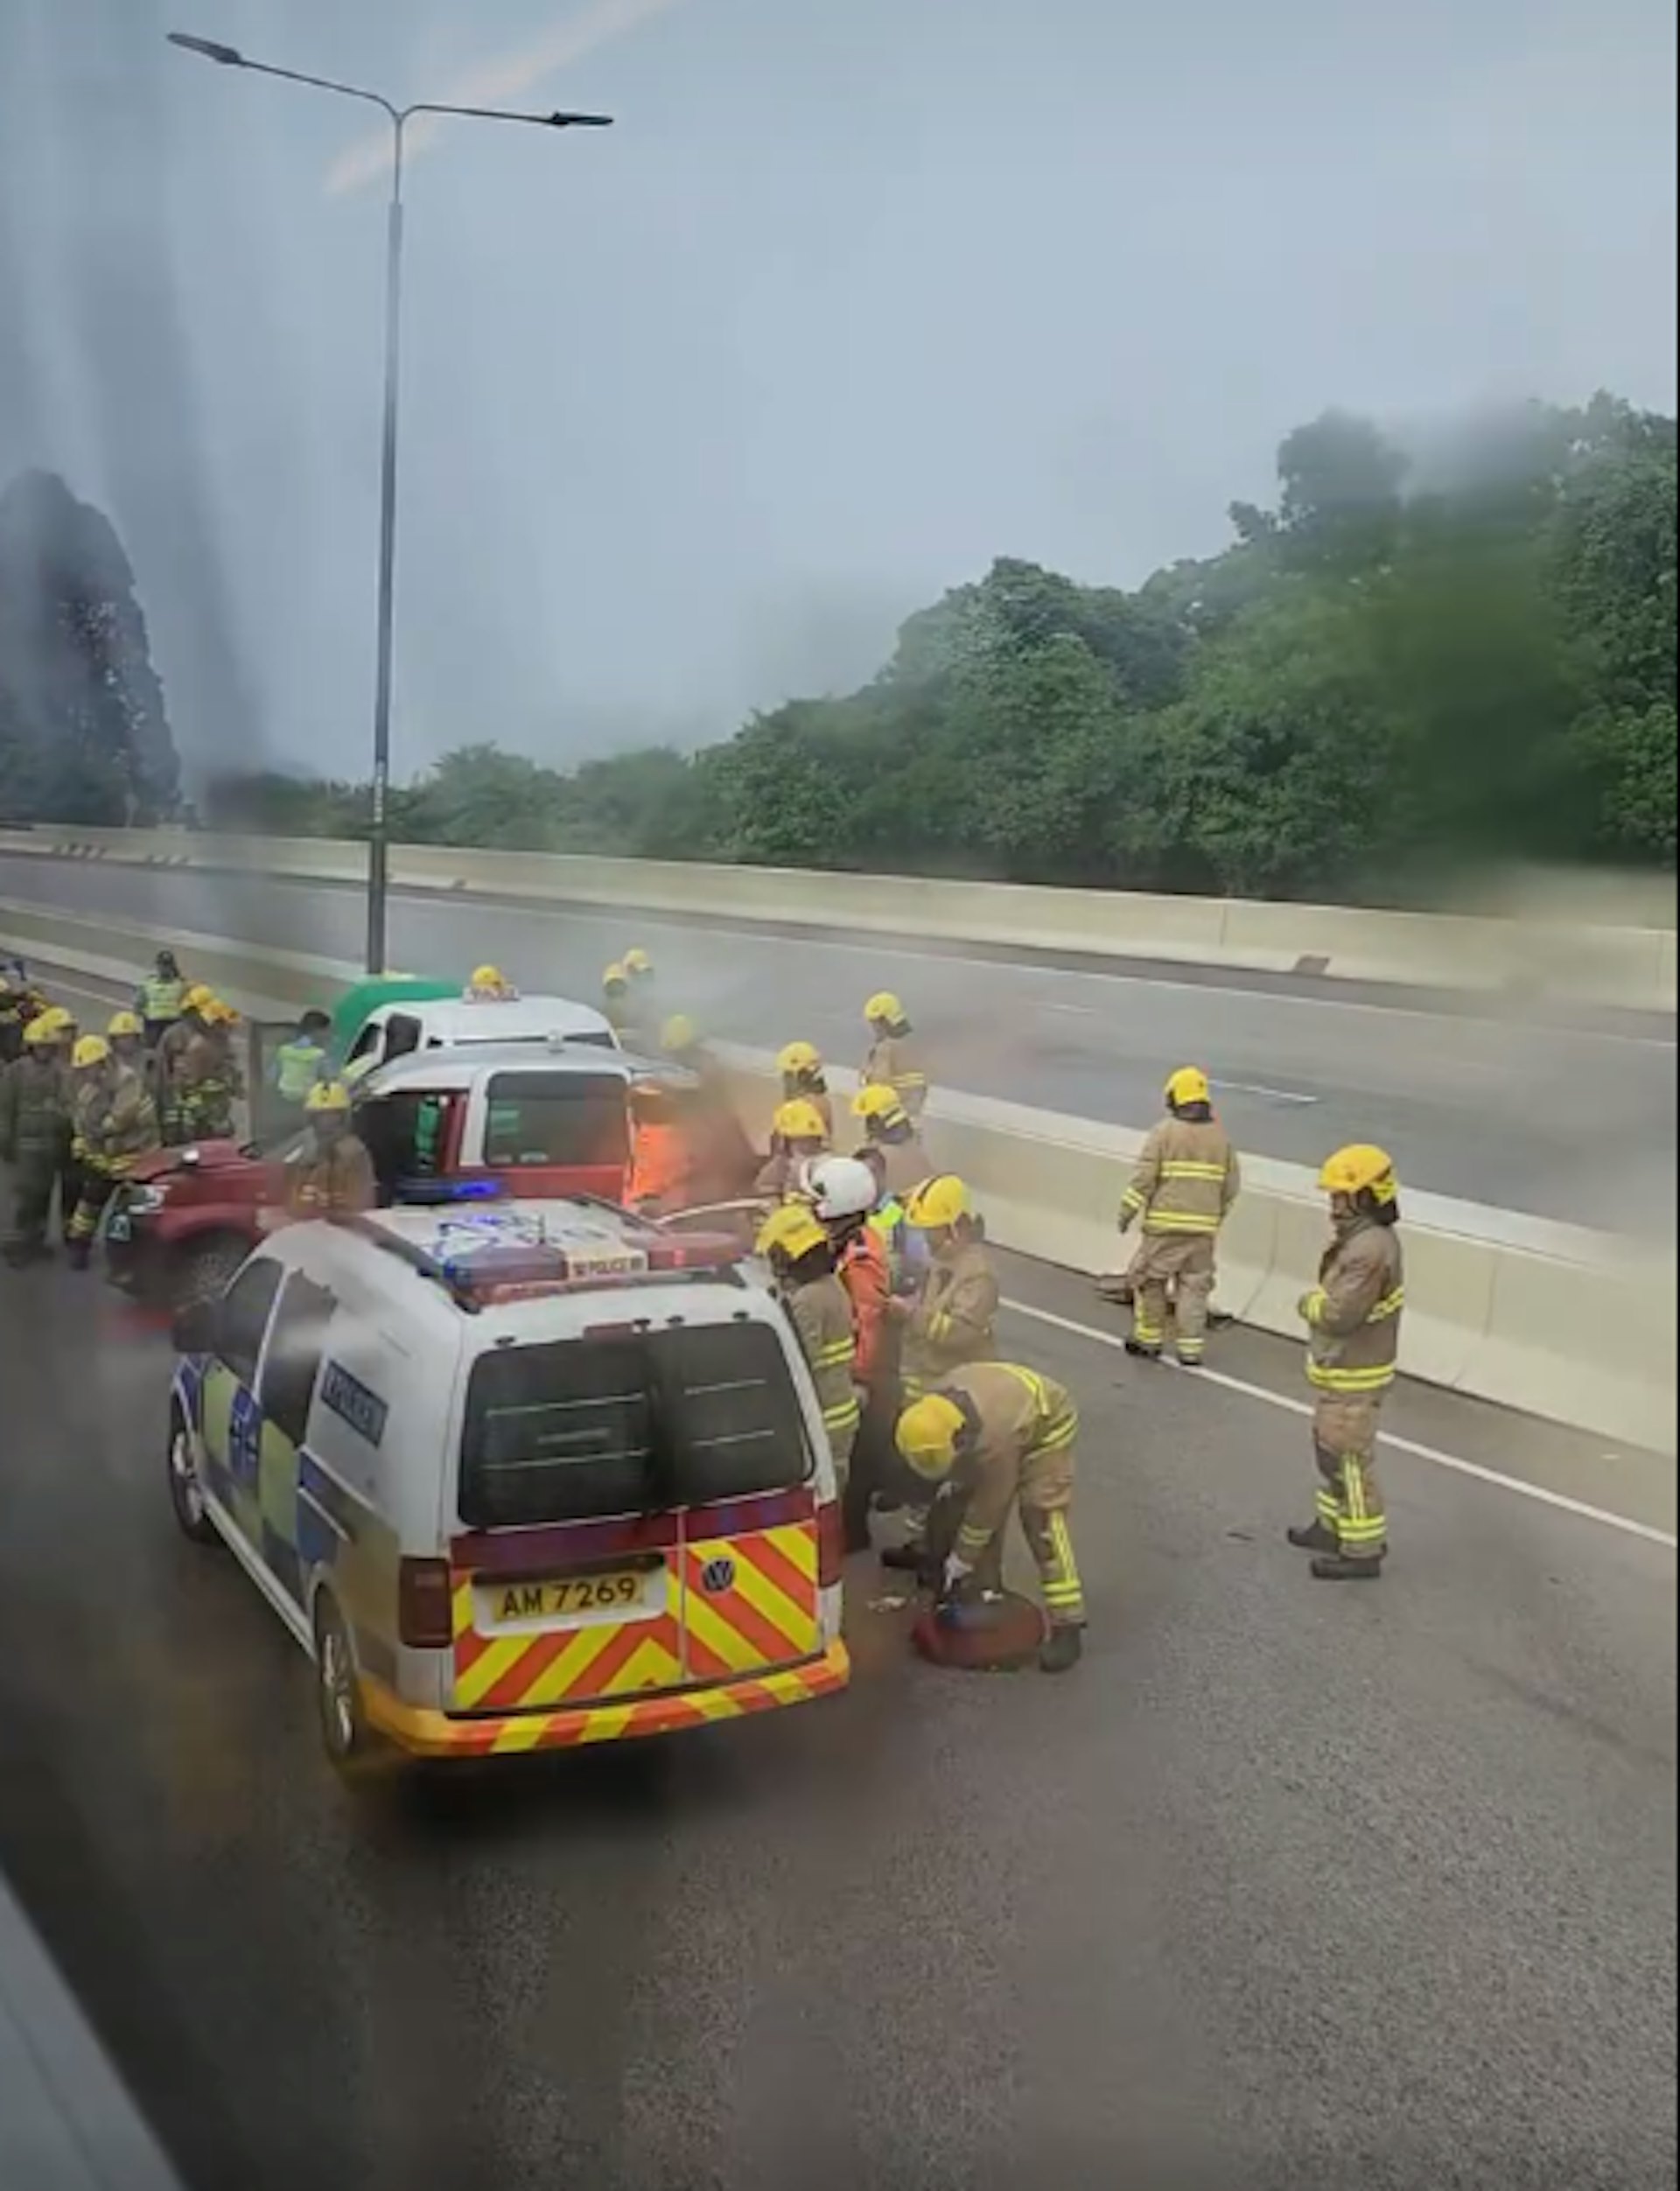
35 1135
797 1247
894 1057
114 1120
161 998
1353 1318
991 1437
950 1321
803 1074
1186 1180
332 1175
797 1134
888 1126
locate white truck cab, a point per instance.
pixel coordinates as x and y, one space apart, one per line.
516 1477
398 1028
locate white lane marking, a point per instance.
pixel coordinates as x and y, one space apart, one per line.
1082 1011
1453 1461
1256 1088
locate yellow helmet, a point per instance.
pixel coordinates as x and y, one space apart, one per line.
614 976
1188 1085
636 961
799 1121
42 1030
331 1095
927 1432
679 1033
793 1231
92 1049
219 1013
879 1105
796 1058
938 1202
1361 1168
197 997
486 977
125 1023
58 1018
883 1006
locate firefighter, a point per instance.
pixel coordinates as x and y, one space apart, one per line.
889 1127
797 1134
803 1074
843 1193
802 1256
126 1033
333 1176
1352 1321
114 1120
991 1437
161 998
172 1048
949 1321
299 1062
35 1131
489 986
895 1058
210 1082
643 987
1186 1180
615 998
21 1005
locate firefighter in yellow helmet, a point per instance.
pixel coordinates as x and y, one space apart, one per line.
797 1134
488 984
1182 1187
114 1120
951 1320
995 1436
127 1036
803 1074
894 1056
35 1130
797 1246
889 1127
1352 1321
333 1174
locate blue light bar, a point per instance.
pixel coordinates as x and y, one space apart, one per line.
433 1194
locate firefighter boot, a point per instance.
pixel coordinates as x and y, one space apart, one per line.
1140 1351
1315 1538
1338 1568
1061 1650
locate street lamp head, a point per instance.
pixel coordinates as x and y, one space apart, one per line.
579 121
227 56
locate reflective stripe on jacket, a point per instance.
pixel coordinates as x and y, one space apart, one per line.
954 1318
1026 1426
298 1066
1353 1314
161 998
1185 1178
821 1315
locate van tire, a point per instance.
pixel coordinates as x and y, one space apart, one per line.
185 1493
202 1271
338 1701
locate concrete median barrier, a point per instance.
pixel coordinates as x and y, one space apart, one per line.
1568 1325
1560 950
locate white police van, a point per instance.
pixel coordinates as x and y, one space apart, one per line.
516 1477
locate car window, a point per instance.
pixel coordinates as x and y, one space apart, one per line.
293 1359
244 1315
402 1032
367 1042
405 1136
555 1118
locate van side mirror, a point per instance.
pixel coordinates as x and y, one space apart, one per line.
197 1328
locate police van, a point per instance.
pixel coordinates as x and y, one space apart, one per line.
517 1477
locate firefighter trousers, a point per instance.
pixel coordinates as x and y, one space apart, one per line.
1048 1539
1184 1263
1350 1498
97 1188
33 1178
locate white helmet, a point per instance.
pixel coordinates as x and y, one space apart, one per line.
839 1187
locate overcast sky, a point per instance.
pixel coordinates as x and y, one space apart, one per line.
857 295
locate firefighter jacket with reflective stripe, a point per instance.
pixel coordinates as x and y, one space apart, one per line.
1353 1314
335 1179
161 998
298 1066
955 1318
894 1062
821 1315
35 1107
1025 1429
1186 1180
116 1118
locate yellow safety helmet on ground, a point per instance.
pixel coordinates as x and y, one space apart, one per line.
42 1030
796 1058
679 1033
927 1432
92 1049
614 976
798 1120
879 1105
793 1231
636 961
884 1006
197 997
1188 1085
938 1202
125 1023
329 1095
1361 1168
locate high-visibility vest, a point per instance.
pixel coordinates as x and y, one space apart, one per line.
161 998
297 1066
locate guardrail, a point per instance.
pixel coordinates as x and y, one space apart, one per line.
1557 1322
1559 954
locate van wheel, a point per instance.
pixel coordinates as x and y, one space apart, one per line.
185 1492
204 1272
338 1700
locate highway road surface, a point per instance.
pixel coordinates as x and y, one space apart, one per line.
1552 1116
1285 1888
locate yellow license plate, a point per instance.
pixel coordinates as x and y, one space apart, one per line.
620 1593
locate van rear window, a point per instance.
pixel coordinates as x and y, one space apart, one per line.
556 1118
583 1429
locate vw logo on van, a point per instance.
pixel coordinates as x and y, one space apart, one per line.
716 1576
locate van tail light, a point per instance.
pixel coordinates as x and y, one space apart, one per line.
424 1593
831 1544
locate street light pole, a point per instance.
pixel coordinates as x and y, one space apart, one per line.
379 847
